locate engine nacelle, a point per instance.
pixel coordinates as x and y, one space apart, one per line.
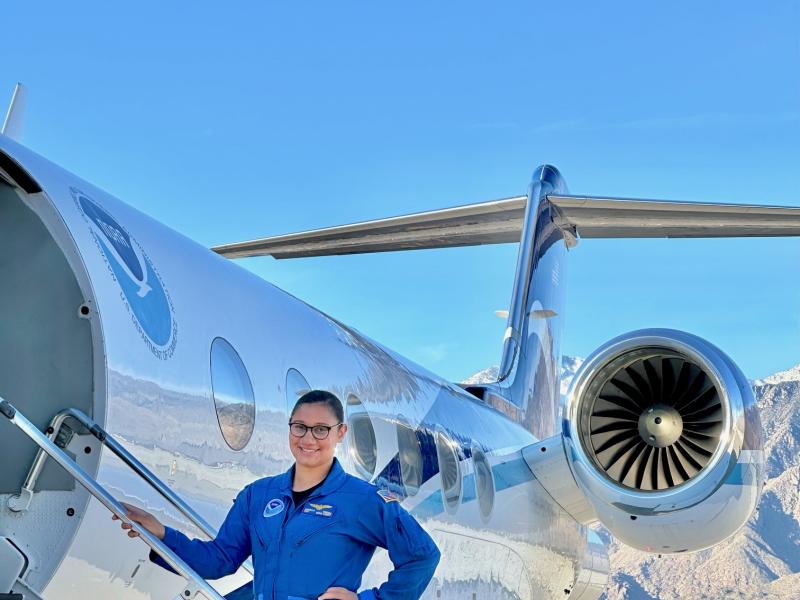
663 438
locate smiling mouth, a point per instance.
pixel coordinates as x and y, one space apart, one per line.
308 450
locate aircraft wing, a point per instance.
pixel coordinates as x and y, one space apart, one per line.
500 221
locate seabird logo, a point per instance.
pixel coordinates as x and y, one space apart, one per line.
146 298
273 507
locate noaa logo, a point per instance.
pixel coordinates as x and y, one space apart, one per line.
146 298
273 507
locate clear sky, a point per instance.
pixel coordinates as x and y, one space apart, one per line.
230 121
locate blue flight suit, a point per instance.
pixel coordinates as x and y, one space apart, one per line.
300 551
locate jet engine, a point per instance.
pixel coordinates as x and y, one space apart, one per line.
663 438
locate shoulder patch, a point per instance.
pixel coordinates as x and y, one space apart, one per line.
388 496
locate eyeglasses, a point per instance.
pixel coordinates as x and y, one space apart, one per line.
320 432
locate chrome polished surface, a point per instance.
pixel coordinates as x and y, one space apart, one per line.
546 180
461 464
723 491
551 467
196 585
528 385
502 534
233 395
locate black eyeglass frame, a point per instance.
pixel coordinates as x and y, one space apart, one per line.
307 428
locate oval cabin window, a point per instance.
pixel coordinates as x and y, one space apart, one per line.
410 455
233 395
484 482
361 438
449 471
296 386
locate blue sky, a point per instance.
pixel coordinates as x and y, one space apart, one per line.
248 119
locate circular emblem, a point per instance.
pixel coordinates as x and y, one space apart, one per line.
274 507
145 295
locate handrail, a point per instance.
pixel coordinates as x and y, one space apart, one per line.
125 456
196 583
22 501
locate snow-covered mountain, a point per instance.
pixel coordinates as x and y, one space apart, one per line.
569 366
485 376
763 559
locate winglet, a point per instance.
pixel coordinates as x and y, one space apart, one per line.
15 117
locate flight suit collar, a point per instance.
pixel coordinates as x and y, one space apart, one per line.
335 479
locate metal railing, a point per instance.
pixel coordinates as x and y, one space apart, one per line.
195 584
22 500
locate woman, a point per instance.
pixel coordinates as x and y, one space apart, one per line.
313 529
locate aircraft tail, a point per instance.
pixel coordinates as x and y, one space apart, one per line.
546 222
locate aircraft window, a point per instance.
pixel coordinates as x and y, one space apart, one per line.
233 395
449 471
411 463
296 386
361 438
484 482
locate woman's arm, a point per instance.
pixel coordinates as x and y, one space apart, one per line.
411 550
211 559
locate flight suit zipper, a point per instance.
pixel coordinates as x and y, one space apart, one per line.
290 514
287 515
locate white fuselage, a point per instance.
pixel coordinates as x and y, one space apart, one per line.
158 300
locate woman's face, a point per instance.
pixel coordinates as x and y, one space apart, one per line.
307 450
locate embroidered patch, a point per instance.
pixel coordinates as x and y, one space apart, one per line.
273 507
388 496
321 510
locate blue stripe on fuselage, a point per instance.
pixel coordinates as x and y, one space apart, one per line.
469 492
506 475
430 507
512 473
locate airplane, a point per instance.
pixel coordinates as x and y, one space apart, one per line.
142 367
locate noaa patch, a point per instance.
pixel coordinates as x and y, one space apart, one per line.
320 510
388 496
143 291
273 507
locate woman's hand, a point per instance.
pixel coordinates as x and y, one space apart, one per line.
146 520
338 593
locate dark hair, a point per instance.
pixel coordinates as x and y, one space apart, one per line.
321 397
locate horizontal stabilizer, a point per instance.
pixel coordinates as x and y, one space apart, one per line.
500 221
495 222
627 218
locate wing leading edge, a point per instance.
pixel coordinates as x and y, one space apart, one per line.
500 221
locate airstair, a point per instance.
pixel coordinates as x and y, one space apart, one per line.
50 445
